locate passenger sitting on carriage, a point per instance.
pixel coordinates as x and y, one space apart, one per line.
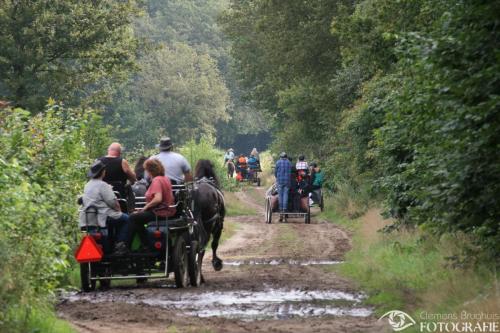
255 153
140 187
107 212
253 163
159 198
117 170
302 164
176 167
242 167
317 177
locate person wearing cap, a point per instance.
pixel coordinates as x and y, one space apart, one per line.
100 195
229 155
177 168
282 173
118 170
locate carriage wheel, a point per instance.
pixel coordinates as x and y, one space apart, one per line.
181 263
194 264
269 211
307 218
87 283
105 284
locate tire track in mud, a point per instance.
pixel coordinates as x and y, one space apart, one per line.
139 309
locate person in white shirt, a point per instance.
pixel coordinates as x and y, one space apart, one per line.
177 168
302 164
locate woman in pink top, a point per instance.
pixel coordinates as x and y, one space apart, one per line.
159 198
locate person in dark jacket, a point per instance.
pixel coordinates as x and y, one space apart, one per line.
118 170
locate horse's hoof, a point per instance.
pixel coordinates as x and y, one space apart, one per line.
217 264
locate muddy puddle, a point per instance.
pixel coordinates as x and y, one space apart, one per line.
275 262
243 305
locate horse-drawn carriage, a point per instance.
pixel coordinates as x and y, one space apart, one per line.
175 244
300 199
174 247
298 206
245 172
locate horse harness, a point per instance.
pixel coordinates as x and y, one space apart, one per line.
210 181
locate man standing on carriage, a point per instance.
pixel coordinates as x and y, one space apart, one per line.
177 168
283 171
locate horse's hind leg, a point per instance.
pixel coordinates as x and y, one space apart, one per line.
217 232
202 254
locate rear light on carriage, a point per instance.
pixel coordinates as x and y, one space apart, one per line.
157 234
97 236
88 251
158 245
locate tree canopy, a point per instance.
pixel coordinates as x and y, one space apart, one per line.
68 50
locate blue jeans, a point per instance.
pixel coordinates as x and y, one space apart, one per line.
283 190
119 228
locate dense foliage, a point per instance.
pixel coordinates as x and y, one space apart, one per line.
399 99
43 161
185 87
69 50
178 92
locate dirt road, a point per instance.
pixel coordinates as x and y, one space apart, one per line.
277 278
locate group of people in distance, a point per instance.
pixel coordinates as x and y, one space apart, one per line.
110 173
245 167
299 178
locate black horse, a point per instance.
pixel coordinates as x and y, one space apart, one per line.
230 169
209 208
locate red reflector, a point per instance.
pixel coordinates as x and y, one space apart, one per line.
157 234
97 236
88 251
157 245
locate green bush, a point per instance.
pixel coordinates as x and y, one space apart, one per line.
43 162
205 149
438 146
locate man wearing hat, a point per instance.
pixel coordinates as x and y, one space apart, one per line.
177 168
100 195
229 155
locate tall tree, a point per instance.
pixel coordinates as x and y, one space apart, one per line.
178 92
69 49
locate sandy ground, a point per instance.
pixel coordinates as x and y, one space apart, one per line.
126 308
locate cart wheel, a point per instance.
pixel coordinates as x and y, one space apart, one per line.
181 263
194 264
140 281
104 284
87 284
269 211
